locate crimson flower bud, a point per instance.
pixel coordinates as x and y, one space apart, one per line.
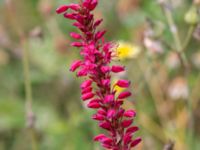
93 5
86 90
74 6
127 139
102 112
98 117
69 16
111 113
75 35
106 82
109 98
107 140
97 23
77 44
99 34
123 83
82 73
75 65
93 105
132 129
130 113
125 94
86 84
136 142
105 69
90 4
77 24
87 96
127 123
117 69
120 113
99 137
105 125
62 9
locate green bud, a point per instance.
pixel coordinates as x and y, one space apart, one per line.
191 17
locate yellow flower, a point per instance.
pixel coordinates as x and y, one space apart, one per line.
127 50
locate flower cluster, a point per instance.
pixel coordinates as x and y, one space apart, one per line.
97 89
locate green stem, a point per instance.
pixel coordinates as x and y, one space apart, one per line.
173 28
188 38
27 83
191 123
28 93
176 37
180 49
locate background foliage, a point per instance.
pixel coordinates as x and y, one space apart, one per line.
165 85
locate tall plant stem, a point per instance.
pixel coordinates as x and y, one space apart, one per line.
30 118
179 49
175 34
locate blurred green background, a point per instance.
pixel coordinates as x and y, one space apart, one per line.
165 85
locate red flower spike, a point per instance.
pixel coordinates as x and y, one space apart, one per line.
96 56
